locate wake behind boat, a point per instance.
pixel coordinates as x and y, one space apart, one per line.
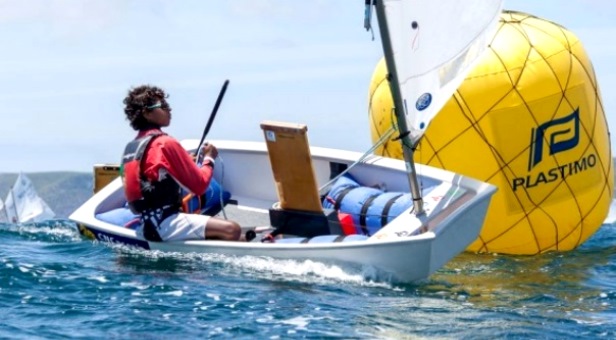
338 206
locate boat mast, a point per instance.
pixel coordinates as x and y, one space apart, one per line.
405 136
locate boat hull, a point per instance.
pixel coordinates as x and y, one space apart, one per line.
445 231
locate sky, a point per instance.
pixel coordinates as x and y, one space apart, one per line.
66 65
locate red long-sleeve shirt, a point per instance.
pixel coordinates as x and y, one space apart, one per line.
166 153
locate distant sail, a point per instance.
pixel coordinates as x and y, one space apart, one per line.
23 203
10 208
3 216
611 216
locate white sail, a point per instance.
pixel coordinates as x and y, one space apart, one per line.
611 216
10 208
435 45
3 216
429 48
23 203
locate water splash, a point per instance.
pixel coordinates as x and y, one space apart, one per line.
50 230
304 271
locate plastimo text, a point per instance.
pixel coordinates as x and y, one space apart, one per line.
555 174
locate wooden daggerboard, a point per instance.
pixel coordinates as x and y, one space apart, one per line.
289 154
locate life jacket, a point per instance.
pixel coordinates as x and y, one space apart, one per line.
154 200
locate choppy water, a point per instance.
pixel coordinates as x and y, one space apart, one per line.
56 284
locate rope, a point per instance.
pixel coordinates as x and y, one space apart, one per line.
376 145
222 188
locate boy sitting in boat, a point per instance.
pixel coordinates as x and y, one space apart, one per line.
154 169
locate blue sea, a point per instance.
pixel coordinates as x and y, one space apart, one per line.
55 284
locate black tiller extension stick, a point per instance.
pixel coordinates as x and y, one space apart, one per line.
213 114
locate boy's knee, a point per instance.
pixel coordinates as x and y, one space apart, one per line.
235 230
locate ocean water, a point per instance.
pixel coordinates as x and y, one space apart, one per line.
56 284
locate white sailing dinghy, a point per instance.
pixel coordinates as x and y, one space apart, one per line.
24 205
364 214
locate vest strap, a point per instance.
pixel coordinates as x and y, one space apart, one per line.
364 213
386 208
153 218
341 195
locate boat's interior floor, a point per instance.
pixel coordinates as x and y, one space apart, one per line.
248 219
244 217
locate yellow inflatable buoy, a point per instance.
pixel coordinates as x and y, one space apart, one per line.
528 119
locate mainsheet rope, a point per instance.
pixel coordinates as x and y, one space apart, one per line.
369 152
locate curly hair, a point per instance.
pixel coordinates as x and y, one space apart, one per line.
137 101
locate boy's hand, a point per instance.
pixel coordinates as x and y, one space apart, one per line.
209 150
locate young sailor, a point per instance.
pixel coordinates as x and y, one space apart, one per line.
154 169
